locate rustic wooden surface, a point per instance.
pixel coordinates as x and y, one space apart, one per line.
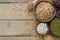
18 38
16 23
15 0
21 27
15 11
16 20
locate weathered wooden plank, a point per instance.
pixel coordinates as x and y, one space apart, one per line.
15 0
21 28
15 11
18 38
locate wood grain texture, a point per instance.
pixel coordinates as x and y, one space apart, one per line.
18 38
21 28
15 0
15 11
